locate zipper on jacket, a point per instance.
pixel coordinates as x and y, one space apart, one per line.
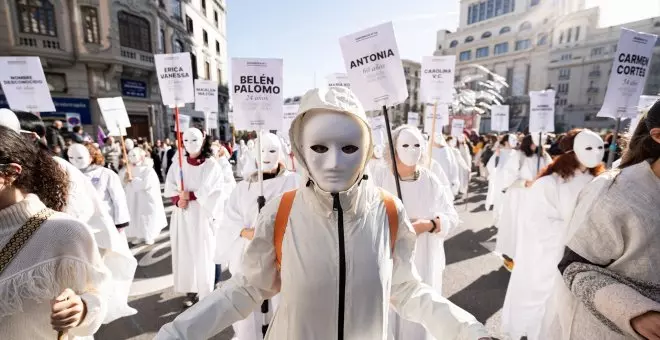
336 206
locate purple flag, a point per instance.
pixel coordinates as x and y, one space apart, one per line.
100 136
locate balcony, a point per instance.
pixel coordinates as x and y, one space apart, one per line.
138 57
593 90
594 74
564 77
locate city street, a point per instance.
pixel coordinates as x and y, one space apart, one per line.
474 279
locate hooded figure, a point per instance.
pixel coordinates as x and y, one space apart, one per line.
220 154
548 209
338 273
503 168
430 208
237 227
464 164
446 158
144 199
199 205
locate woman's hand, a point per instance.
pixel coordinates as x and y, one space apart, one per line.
528 184
68 311
247 233
183 204
647 325
421 226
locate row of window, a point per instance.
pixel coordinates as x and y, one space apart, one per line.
506 29
501 48
569 35
488 9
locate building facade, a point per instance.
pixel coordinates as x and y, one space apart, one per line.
91 49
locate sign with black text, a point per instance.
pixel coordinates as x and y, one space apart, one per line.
499 118
175 79
206 95
542 111
378 129
413 118
437 80
338 80
24 84
290 113
457 126
115 115
441 117
257 92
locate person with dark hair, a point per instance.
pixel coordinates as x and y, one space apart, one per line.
199 205
77 134
111 152
546 214
609 279
55 280
54 138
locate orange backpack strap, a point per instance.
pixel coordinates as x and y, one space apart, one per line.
392 216
281 221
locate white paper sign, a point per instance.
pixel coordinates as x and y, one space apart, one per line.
374 67
115 115
632 63
457 126
413 118
441 117
206 95
338 80
290 112
184 122
542 111
25 85
378 129
211 120
437 80
257 92
645 103
175 78
499 118
72 119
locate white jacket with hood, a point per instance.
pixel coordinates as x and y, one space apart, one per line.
338 277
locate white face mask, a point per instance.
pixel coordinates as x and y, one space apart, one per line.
452 142
193 140
250 144
513 141
215 150
378 151
335 147
129 144
136 156
79 156
589 148
408 147
270 152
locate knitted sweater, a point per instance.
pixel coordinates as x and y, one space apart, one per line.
61 254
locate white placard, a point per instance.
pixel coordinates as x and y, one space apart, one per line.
632 63
206 95
338 80
290 113
175 78
374 68
457 126
499 118
645 103
257 92
115 115
441 117
72 119
25 85
184 123
542 111
413 118
378 129
437 79
211 120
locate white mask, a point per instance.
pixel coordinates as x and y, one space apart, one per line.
452 142
241 143
271 150
513 141
193 140
136 156
589 148
250 144
79 156
215 150
409 147
378 151
129 144
8 118
335 147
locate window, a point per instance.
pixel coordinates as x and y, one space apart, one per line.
486 34
36 17
134 31
542 39
567 56
90 24
176 9
207 70
217 47
523 44
469 39
498 7
568 35
525 26
453 43
490 9
205 37
178 46
465 55
216 19
564 73
482 11
204 6
161 41
219 76
577 33
482 52
562 88
505 29
189 25
534 3
561 37
487 9
595 67
597 51
501 48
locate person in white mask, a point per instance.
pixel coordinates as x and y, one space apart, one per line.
145 203
445 157
431 210
237 228
548 209
503 168
221 155
242 157
199 205
464 167
332 254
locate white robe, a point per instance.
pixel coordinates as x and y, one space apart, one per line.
501 176
145 203
228 174
508 220
85 204
548 209
193 229
463 170
447 160
241 212
108 186
423 199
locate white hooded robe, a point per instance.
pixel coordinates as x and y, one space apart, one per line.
145 203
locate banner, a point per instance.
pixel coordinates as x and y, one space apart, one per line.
175 79
441 118
542 111
338 80
211 120
373 65
437 80
114 115
290 112
257 92
72 119
24 84
206 95
645 103
184 122
378 129
457 126
629 71
499 118
413 118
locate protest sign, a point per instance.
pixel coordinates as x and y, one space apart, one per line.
542 111
211 120
499 118
257 92
175 79
115 115
206 95
24 84
441 117
338 80
413 118
437 79
290 112
378 129
457 126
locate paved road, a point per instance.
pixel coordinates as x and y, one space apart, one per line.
474 278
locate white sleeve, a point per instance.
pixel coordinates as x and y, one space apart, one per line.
443 207
172 181
229 229
118 196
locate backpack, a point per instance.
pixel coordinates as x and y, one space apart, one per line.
284 209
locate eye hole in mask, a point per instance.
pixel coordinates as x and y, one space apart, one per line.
589 148
600 147
319 148
405 145
272 151
416 145
349 149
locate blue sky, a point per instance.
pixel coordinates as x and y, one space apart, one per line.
305 33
